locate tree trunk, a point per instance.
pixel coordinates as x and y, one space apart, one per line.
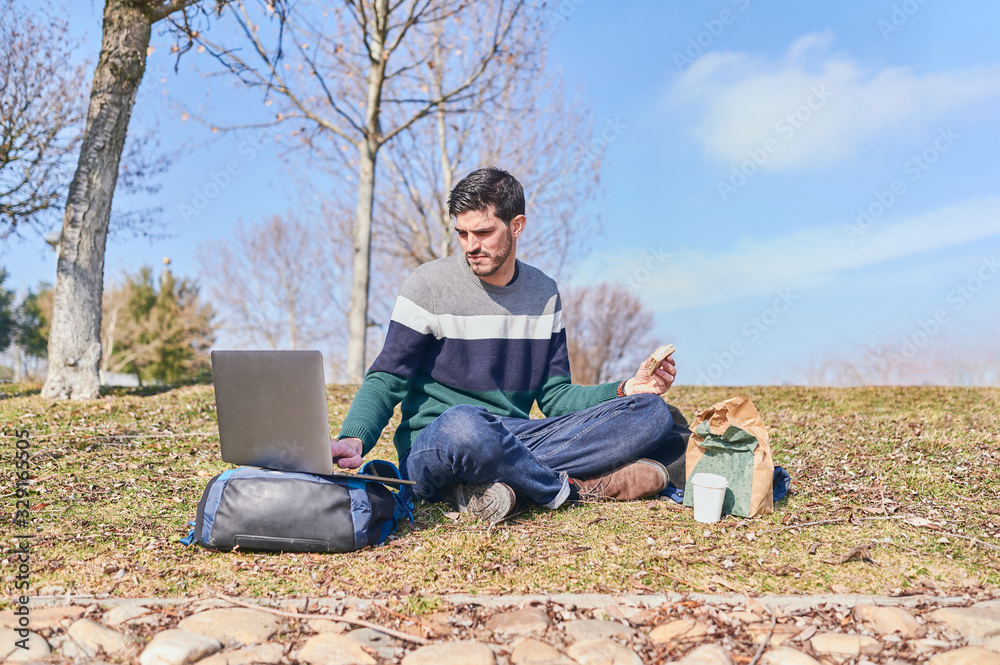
447 180
18 374
75 337
293 326
357 316
447 173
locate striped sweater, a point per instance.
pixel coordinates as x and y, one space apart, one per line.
454 339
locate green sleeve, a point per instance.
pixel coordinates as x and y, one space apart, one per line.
559 397
372 407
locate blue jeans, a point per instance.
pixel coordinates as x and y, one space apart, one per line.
468 444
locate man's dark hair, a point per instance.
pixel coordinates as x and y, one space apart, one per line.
488 187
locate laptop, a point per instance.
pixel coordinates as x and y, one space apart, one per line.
271 407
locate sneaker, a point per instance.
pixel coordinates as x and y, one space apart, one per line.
632 481
490 502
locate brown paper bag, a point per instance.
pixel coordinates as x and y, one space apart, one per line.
731 440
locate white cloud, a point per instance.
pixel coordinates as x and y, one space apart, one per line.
694 277
816 107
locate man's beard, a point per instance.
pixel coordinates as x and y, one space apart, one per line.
496 262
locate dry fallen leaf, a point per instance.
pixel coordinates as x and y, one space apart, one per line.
921 522
859 552
637 584
715 579
807 633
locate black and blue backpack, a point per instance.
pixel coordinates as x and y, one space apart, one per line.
261 509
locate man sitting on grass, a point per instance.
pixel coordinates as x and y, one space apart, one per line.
474 341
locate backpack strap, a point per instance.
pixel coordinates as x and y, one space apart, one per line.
189 539
402 496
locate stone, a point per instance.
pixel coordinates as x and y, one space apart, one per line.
709 654
151 619
333 649
593 629
10 652
92 637
993 644
966 656
927 644
178 647
618 612
888 620
678 630
384 645
842 645
976 623
269 653
601 651
321 626
465 652
208 604
123 613
529 651
528 621
70 649
40 619
781 633
233 625
787 656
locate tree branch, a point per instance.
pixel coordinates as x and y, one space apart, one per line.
168 8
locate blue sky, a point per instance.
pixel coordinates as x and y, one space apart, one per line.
746 140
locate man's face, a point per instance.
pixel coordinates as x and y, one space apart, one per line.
486 241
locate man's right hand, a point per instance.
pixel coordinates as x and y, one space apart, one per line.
346 452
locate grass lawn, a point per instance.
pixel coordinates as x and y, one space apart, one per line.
909 472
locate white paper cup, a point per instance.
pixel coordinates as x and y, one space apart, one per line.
709 493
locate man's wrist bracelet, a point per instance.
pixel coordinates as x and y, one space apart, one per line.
621 388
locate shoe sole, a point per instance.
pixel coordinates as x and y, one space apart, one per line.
490 502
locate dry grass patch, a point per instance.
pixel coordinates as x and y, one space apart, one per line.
909 472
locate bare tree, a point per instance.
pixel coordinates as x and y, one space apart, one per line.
608 332
270 283
538 132
41 113
917 359
348 77
75 336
